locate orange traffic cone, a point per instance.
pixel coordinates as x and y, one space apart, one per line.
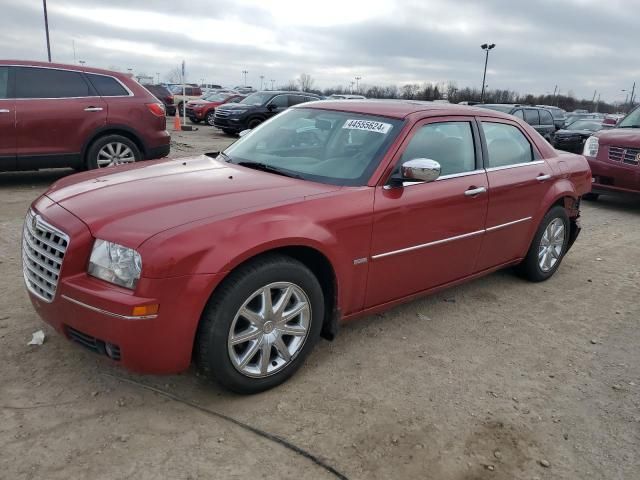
176 121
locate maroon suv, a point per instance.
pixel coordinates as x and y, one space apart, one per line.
54 115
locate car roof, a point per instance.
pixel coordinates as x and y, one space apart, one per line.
400 108
65 66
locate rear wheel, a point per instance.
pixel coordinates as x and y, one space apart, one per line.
253 123
112 150
548 247
260 324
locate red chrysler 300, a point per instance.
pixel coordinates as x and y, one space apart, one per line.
326 212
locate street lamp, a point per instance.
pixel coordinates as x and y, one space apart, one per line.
486 47
261 81
46 28
272 82
358 83
244 72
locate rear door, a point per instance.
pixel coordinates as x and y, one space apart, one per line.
7 121
518 179
57 111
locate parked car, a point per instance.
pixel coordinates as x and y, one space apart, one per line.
573 137
164 95
574 117
327 212
205 108
256 108
559 115
539 118
614 157
54 115
344 96
245 90
611 120
180 98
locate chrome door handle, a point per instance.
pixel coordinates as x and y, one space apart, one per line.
542 178
93 109
4 110
472 192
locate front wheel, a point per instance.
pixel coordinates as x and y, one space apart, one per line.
253 123
210 118
548 247
259 326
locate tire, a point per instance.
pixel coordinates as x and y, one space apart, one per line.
194 120
253 123
591 197
233 311
229 132
210 117
101 150
537 265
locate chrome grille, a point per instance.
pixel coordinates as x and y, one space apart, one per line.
43 249
222 113
630 156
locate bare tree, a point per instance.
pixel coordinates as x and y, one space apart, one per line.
290 86
174 75
306 82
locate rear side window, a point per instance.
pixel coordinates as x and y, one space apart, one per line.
531 117
545 118
506 145
296 99
50 83
107 86
519 114
280 101
4 82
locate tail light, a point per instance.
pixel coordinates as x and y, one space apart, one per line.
157 109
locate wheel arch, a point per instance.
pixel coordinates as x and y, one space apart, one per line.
123 130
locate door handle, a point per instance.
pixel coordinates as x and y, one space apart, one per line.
543 178
93 109
472 192
4 110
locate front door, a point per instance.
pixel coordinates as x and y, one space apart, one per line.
56 112
518 179
277 104
7 123
429 234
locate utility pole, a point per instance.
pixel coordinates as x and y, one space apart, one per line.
598 104
244 72
272 82
358 83
594 96
261 81
46 28
632 99
486 47
351 86
158 75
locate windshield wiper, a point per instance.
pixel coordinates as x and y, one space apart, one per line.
268 168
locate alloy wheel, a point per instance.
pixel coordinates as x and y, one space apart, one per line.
551 245
115 153
269 329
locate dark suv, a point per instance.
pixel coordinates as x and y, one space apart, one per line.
256 108
54 115
539 118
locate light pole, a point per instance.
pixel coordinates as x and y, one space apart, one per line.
486 47
244 72
272 82
158 75
626 98
351 86
358 83
261 81
46 28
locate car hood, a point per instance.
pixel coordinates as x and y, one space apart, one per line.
237 106
130 204
622 137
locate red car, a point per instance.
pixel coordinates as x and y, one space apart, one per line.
327 212
205 108
54 115
614 157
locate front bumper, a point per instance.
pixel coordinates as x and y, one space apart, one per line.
228 123
194 113
614 177
572 145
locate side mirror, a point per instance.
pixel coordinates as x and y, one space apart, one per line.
244 132
420 169
271 107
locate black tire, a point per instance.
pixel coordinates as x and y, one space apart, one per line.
591 197
211 349
194 120
229 132
210 117
91 159
253 123
530 267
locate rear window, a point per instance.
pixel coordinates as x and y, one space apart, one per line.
107 86
531 117
50 83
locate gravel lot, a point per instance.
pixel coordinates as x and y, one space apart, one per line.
496 379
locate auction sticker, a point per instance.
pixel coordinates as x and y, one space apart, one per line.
367 125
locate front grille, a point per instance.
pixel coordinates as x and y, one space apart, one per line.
94 344
222 113
630 156
43 249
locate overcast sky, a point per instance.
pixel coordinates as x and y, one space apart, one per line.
580 45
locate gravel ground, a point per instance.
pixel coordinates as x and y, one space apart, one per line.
495 379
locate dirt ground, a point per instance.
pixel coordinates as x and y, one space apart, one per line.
496 379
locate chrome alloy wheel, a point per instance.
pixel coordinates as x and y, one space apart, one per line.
551 245
269 329
115 153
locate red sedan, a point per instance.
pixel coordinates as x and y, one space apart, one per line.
327 212
205 108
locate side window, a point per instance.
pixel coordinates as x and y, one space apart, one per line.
295 100
531 117
506 145
280 101
449 143
519 114
545 118
107 86
4 82
50 83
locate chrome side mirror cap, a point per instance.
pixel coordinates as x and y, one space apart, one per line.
420 169
244 132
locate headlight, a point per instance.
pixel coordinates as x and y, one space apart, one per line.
591 147
115 264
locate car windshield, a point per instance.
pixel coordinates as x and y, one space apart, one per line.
499 108
590 125
632 120
338 148
216 97
259 98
